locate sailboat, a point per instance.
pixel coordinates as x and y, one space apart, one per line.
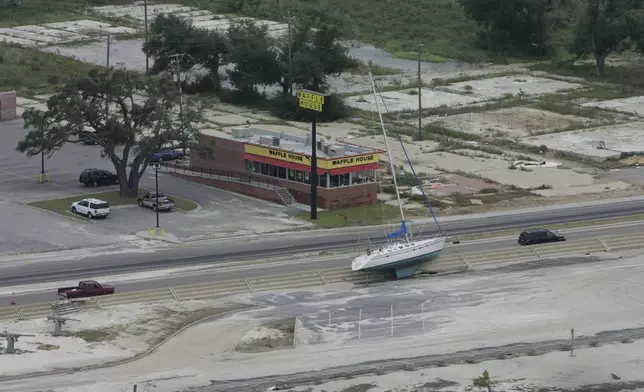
401 255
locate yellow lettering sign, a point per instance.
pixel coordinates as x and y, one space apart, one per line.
310 100
326 164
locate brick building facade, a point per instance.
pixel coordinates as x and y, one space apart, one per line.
8 105
345 180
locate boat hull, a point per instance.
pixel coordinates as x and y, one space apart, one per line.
400 258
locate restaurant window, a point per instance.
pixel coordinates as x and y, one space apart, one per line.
248 165
323 183
281 172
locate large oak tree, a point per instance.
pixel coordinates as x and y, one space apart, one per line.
142 120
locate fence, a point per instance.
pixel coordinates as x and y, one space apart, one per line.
223 175
450 261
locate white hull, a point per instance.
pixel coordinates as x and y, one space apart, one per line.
399 255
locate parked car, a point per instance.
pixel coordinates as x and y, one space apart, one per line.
85 288
167 155
91 208
150 200
538 236
96 177
86 137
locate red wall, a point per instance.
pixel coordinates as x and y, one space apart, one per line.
238 187
8 105
228 156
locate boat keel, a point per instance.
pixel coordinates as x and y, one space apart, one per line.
405 272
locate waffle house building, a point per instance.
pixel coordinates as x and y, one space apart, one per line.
275 166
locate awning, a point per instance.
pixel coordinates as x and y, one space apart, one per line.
354 169
279 163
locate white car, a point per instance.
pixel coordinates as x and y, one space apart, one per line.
91 208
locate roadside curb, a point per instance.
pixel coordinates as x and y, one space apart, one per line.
136 357
165 237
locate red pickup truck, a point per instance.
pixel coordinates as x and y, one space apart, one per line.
85 288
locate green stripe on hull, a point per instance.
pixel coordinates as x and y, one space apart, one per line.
405 263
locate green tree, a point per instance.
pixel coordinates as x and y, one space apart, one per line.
317 51
483 381
171 35
252 51
605 28
130 133
521 25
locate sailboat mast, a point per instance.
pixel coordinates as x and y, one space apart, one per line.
391 161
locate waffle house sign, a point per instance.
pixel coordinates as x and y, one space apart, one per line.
310 100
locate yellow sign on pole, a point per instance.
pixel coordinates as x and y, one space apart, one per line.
311 100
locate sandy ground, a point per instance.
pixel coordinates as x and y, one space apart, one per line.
97 336
533 302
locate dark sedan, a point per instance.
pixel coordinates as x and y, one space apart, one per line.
167 155
96 177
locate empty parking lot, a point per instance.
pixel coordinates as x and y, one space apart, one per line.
26 228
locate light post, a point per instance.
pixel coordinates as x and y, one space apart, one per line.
156 195
420 94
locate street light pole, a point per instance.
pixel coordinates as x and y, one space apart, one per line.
42 152
145 17
420 94
156 180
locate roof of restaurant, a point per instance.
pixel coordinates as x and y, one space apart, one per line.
294 144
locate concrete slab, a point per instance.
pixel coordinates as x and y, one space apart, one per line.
618 139
633 105
344 131
18 41
418 151
126 52
496 88
66 35
576 190
21 101
515 122
232 119
39 39
397 101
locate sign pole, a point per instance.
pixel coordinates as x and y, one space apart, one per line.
314 169
317 103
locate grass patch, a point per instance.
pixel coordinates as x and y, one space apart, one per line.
372 214
376 70
571 109
62 206
628 77
30 72
441 25
96 335
281 335
43 11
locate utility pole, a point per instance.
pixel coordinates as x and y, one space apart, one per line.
420 95
145 20
107 65
156 188
179 77
290 55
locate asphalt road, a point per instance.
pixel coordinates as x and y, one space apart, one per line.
284 244
208 274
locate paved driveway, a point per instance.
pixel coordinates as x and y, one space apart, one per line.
24 228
